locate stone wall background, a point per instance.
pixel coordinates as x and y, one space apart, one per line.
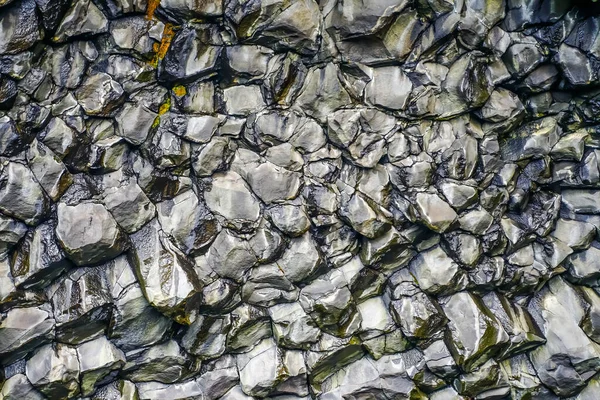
299 199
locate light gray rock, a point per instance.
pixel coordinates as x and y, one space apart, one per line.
19 387
24 329
54 371
436 273
134 122
165 275
100 95
472 348
230 197
389 87
48 170
569 358
292 327
128 204
165 363
133 321
21 196
249 325
88 233
191 232
435 213
98 359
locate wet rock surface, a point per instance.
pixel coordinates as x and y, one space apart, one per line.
308 199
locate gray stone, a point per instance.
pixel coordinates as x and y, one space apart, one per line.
97 360
165 363
435 213
24 329
472 348
21 196
206 336
88 233
569 358
133 321
230 197
48 170
38 259
127 203
192 231
82 303
134 122
54 371
83 18
575 65
20 27
166 276
18 387
389 87
249 325
100 95
292 327
436 273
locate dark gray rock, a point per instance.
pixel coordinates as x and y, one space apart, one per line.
20 27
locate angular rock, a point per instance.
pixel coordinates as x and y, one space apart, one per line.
471 348
231 198
98 359
569 358
191 231
21 196
22 330
166 276
88 233
435 213
54 371
82 19
165 363
20 27
18 387
436 273
100 95
38 260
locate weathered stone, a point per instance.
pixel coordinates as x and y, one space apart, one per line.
22 330
20 27
389 87
54 371
436 273
99 95
88 233
21 196
97 360
192 231
38 259
231 198
569 358
165 363
133 321
18 387
82 19
471 348
166 276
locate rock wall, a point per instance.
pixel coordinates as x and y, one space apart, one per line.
299 199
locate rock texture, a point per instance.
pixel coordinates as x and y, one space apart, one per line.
299 199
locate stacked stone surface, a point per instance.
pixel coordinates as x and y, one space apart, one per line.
299 199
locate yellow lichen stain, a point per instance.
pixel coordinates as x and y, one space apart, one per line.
156 122
179 90
152 6
165 107
160 49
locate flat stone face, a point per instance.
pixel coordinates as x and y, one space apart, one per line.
299 199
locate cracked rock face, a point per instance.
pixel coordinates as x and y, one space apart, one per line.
307 199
